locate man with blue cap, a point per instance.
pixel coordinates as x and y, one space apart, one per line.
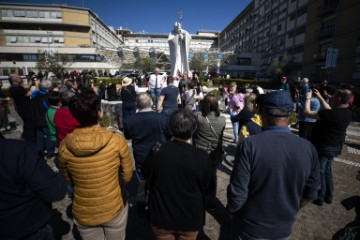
275 174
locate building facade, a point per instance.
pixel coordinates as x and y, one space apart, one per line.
301 31
333 24
156 45
263 32
29 29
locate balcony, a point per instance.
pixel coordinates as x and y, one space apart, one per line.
325 32
327 9
319 56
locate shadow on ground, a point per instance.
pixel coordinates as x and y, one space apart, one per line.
352 230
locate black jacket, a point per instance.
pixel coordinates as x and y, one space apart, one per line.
40 104
179 176
27 188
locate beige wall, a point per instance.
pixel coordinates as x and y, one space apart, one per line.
2 38
74 39
80 17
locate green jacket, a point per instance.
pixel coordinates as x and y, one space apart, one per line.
49 116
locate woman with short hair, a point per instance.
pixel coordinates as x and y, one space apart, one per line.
91 160
208 137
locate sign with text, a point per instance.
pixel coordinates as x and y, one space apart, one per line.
331 57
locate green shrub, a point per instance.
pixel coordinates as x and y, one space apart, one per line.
6 91
206 84
108 81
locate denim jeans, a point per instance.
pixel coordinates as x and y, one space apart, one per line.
155 94
326 157
236 130
168 111
43 141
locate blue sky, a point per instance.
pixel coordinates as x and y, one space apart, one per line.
158 16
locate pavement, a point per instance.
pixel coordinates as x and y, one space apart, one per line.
313 222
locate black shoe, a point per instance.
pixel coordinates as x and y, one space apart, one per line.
328 200
318 202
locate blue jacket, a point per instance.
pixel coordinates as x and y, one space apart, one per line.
273 170
27 188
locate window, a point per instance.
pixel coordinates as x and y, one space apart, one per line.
44 40
42 14
38 39
35 14
302 11
19 13
13 39
58 14
279 27
47 14
291 34
7 13
244 61
329 24
292 16
300 30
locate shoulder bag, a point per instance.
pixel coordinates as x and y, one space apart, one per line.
216 155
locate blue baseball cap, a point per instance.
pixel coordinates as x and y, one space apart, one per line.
278 100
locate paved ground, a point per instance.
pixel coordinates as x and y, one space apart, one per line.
313 222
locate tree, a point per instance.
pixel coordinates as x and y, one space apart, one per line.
146 64
197 63
283 67
52 62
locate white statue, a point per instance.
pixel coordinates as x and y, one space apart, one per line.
179 42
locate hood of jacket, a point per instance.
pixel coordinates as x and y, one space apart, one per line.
257 119
87 141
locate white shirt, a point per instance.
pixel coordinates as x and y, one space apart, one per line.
160 81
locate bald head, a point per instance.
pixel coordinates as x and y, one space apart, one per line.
15 79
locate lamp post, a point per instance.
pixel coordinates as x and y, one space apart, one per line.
47 54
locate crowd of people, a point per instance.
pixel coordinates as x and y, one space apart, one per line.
176 130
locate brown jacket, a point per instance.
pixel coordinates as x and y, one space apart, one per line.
90 159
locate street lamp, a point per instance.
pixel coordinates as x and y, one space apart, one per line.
47 53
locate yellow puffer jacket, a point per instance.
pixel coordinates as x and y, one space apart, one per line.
91 159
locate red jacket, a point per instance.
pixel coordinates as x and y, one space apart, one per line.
65 123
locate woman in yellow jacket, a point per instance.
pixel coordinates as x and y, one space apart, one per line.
91 160
255 124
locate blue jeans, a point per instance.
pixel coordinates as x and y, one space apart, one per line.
168 111
155 94
43 141
236 130
326 157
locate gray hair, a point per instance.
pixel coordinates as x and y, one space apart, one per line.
46 84
143 101
66 96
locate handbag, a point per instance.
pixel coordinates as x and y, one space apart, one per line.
190 102
216 155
